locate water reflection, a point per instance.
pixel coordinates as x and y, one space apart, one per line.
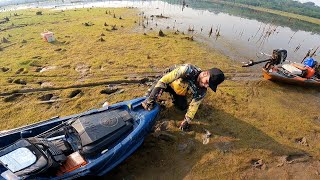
293 24
238 32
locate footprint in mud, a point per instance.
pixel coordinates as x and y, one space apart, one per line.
59 49
293 158
46 97
20 70
19 81
11 98
4 69
297 158
109 90
74 93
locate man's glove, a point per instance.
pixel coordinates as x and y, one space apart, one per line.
147 105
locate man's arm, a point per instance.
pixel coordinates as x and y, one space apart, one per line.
193 108
162 84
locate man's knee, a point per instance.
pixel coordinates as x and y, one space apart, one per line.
181 103
181 107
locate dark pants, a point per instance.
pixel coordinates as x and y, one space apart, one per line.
179 101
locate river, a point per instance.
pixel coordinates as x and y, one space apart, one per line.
243 33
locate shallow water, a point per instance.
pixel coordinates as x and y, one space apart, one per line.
244 33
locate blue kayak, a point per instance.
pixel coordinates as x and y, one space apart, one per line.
89 143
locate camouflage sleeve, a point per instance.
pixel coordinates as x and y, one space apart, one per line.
172 76
193 108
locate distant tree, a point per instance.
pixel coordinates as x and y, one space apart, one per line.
309 3
307 9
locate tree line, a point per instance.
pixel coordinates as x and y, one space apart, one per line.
306 9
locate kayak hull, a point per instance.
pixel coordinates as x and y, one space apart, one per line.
294 80
105 160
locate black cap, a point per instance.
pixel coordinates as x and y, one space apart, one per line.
216 77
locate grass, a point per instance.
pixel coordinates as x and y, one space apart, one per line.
249 119
122 51
84 59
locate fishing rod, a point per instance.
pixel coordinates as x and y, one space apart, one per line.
278 57
251 62
310 55
314 52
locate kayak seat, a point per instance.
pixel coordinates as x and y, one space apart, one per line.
98 131
23 158
292 69
50 149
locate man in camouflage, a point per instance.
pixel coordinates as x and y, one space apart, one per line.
181 80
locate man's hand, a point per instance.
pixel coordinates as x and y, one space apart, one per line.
147 105
184 126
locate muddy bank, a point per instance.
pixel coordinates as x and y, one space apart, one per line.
256 129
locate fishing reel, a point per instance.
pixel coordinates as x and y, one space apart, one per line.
278 56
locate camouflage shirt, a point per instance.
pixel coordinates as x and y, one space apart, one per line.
183 80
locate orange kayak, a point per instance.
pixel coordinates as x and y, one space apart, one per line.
280 76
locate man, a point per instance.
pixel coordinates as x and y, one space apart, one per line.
181 80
